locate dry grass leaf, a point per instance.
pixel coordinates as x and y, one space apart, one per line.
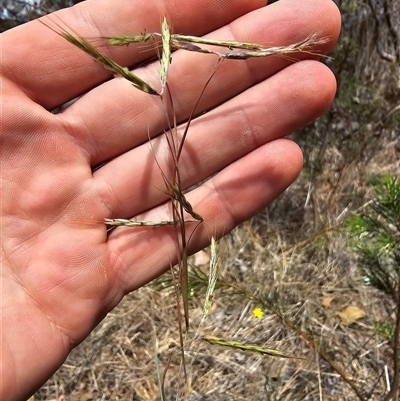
350 314
326 301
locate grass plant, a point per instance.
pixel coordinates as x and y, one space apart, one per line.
170 42
180 207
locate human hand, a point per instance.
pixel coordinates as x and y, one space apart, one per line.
61 273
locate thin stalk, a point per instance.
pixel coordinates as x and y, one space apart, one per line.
195 107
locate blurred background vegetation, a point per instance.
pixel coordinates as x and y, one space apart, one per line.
322 262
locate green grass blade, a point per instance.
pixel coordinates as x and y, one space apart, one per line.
107 62
86 47
158 371
124 40
166 53
212 279
245 347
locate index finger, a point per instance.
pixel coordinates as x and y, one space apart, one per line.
51 71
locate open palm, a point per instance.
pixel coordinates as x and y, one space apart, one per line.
62 174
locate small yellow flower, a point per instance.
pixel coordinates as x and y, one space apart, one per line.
258 313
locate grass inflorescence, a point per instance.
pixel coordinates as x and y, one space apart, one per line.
181 208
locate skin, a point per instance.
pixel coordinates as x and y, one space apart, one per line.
61 273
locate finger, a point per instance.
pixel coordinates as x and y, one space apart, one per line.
270 110
56 72
130 117
227 199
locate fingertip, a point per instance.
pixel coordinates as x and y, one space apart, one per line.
317 84
283 162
